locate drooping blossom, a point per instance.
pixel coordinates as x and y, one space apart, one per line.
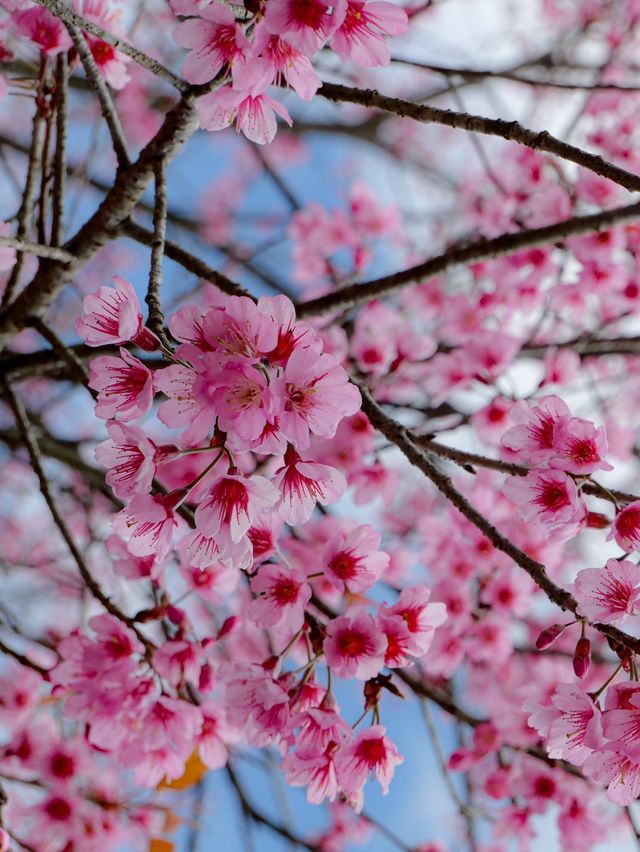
252 110
232 504
370 752
131 459
303 483
281 597
147 523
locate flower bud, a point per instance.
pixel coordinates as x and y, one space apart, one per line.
597 521
548 636
582 657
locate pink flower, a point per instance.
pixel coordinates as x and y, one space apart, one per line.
44 30
114 316
572 728
546 496
315 772
214 40
190 391
130 458
240 331
360 37
243 401
147 522
353 561
579 446
177 661
420 616
626 527
273 59
306 24
318 727
355 646
282 595
124 385
609 595
317 395
371 751
619 771
302 483
7 255
111 63
292 335
253 112
533 435
232 504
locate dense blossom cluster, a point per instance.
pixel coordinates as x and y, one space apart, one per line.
269 530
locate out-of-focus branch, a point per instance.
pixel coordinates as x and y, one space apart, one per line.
60 156
357 294
156 317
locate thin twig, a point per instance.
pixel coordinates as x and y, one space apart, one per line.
103 94
26 207
60 158
397 434
25 247
156 317
511 131
31 443
71 18
67 354
20 658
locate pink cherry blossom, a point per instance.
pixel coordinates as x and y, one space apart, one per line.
147 523
114 316
214 39
232 504
533 436
253 111
360 36
271 60
111 62
354 646
131 459
609 595
626 527
546 496
44 29
306 24
421 617
282 595
124 385
353 561
370 751
579 446
302 483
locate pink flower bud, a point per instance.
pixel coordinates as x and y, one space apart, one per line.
228 626
548 636
175 614
597 521
206 680
582 657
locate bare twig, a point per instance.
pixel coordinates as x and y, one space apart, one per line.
25 247
60 158
103 94
20 658
71 18
156 317
512 131
31 443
